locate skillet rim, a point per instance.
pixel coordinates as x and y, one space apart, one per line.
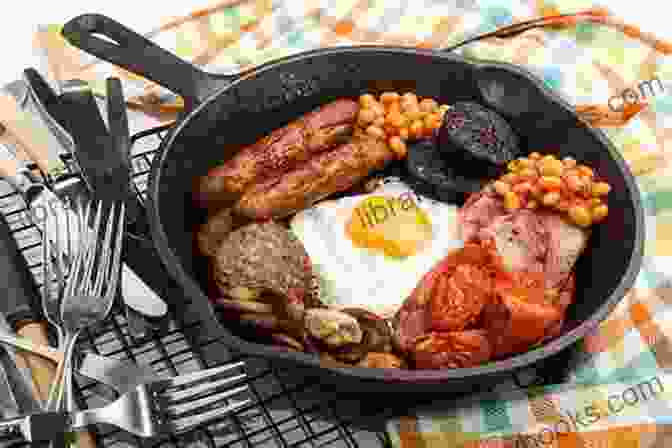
192 290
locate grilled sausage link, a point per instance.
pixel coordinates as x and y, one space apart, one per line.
317 131
321 176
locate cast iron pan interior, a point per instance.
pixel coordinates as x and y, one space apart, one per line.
225 112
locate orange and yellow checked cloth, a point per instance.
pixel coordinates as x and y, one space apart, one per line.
616 390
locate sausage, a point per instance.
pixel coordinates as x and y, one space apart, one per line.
323 175
314 132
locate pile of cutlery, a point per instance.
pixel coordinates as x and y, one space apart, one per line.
82 249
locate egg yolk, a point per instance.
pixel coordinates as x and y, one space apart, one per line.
395 226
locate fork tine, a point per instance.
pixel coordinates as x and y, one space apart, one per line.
193 407
93 248
187 423
193 392
101 274
115 269
189 378
75 268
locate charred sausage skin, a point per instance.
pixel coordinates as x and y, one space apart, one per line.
317 131
323 175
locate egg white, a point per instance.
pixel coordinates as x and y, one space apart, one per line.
359 277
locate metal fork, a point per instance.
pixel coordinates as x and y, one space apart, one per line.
169 406
60 233
90 289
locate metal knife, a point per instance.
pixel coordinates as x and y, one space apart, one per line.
122 376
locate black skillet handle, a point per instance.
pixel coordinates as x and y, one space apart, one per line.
137 54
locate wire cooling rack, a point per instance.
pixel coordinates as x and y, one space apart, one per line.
289 408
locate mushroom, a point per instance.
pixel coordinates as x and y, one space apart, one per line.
287 341
332 327
382 361
350 353
244 306
377 332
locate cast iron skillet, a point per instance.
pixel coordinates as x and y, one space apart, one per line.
223 112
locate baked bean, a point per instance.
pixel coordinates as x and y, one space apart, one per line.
366 116
367 100
394 118
569 162
428 105
511 201
595 202
600 189
551 183
509 178
580 216
390 130
398 146
378 109
585 171
375 131
501 187
389 97
528 173
600 212
551 167
551 198
525 163
416 129
432 121
574 183
392 108
522 188
409 97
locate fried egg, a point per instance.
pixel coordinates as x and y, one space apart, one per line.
370 251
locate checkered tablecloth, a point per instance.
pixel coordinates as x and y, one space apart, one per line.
600 402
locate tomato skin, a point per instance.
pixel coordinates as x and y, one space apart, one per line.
469 309
452 350
514 324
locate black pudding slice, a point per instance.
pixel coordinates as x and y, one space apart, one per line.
431 176
477 140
